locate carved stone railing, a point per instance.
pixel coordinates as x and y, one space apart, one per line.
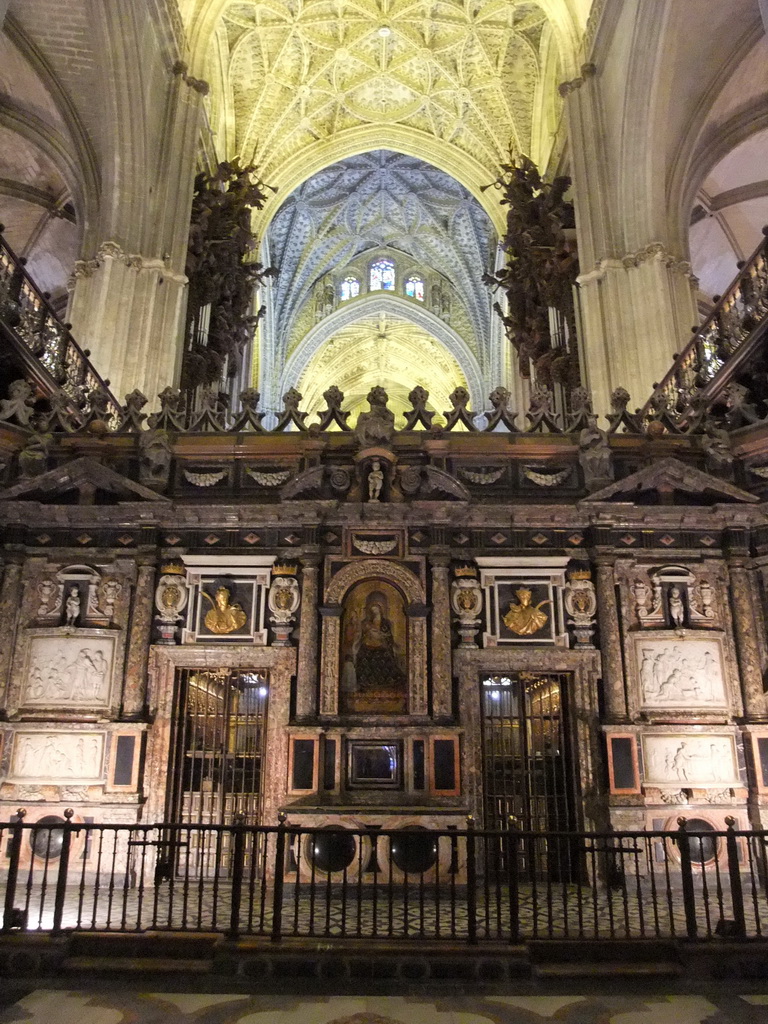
726 338
52 360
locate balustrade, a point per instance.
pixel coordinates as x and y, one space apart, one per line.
53 360
728 335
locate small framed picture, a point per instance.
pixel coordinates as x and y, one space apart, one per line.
374 765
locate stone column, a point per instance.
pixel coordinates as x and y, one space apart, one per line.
139 636
614 689
306 676
131 287
745 629
634 284
10 603
442 688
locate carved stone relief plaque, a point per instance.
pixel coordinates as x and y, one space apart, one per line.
58 756
680 672
690 760
68 672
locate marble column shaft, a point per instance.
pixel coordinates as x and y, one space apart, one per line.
139 636
442 696
745 628
306 677
610 644
10 603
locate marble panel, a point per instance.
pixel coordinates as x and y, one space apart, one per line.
50 756
68 671
680 673
690 759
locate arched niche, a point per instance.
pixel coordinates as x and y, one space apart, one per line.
336 593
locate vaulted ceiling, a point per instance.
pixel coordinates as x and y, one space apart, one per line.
477 78
382 349
376 200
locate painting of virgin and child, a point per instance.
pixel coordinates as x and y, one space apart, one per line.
373 650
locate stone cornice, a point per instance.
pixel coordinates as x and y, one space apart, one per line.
110 250
654 251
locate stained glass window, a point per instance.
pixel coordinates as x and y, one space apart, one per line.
350 288
414 288
383 276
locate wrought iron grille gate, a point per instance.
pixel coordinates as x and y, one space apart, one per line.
218 748
526 759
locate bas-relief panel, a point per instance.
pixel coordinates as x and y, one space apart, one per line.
680 673
68 672
690 759
52 756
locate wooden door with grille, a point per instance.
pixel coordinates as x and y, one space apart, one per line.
527 765
218 749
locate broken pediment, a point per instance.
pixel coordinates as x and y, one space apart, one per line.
666 479
87 478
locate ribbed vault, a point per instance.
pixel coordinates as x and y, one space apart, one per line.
381 349
301 71
371 203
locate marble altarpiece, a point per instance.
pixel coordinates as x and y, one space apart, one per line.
381 604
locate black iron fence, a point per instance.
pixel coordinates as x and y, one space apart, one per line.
467 885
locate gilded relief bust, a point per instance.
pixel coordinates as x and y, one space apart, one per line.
223 616
524 618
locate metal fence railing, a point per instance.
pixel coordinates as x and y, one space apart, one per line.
468 885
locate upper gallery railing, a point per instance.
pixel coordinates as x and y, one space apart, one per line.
53 359
703 366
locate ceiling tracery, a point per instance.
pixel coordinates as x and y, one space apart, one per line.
300 72
378 201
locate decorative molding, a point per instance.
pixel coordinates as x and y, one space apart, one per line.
110 250
654 251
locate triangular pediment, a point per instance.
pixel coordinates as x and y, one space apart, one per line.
86 476
670 476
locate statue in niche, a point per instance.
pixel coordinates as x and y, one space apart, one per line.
224 615
373 677
375 481
524 618
72 606
676 607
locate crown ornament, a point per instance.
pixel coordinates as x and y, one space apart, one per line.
465 570
283 569
173 569
580 574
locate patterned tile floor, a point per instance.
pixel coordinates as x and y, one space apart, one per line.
560 911
52 1007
